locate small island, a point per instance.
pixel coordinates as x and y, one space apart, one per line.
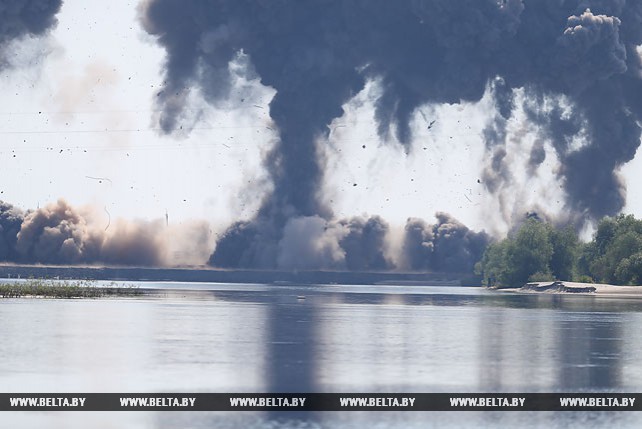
564 287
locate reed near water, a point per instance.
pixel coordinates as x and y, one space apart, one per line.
47 288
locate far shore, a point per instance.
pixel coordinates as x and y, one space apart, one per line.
214 275
565 287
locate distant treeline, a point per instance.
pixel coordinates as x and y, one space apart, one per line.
539 251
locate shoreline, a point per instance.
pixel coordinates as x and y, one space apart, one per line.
203 274
577 288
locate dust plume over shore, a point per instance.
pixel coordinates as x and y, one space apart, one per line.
62 234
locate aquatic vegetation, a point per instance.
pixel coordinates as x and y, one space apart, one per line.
49 288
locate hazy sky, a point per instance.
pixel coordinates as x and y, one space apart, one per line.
77 122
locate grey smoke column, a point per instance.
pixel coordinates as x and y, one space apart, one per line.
317 54
10 222
587 52
23 17
19 18
364 244
446 246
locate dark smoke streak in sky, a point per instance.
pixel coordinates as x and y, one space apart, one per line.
24 18
317 54
19 18
60 233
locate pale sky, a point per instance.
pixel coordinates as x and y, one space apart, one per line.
77 122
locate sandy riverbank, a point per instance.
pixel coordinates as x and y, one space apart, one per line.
578 288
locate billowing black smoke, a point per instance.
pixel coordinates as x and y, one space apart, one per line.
10 222
579 66
307 242
24 18
364 244
575 61
19 18
447 246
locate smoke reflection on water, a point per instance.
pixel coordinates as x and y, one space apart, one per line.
259 338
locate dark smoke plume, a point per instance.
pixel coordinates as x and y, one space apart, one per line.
21 18
317 54
446 246
364 244
10 222
312 242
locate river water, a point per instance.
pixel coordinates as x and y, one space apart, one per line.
331 338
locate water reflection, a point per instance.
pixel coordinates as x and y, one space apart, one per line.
324 340
291 335
320 339
591 356
405 341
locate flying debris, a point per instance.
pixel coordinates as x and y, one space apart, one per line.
575 62
108 218
100 179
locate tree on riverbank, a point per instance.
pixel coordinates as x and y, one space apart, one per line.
538 251
615 254
535 252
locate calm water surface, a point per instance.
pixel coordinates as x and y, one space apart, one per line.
259 338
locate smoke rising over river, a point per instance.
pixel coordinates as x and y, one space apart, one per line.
570 70
62 234
575 62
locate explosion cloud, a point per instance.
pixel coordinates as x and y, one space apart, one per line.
446 246
19 18
10 221
62 234
24 18
356 244
575 61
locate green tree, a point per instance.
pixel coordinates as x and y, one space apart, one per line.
529 252
566 248
511 262
493 266
614 254
587 253
629 270
537 251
